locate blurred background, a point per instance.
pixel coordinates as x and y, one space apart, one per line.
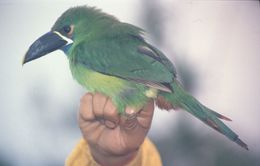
213 44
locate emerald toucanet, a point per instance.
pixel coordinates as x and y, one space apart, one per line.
113 58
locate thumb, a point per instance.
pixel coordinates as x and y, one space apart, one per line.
145 116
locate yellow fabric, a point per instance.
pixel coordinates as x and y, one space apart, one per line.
147 155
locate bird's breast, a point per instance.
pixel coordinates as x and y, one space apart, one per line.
97 82
123 93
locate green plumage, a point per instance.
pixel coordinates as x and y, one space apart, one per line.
112 57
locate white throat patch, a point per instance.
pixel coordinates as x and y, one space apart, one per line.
69 41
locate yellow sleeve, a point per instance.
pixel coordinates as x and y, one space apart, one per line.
147 155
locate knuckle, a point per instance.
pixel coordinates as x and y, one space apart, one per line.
86 97
100 96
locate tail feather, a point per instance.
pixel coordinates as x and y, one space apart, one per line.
219 115
241 143
180 98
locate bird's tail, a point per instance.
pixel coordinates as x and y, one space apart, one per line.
181 99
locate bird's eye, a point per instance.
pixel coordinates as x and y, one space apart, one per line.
67 29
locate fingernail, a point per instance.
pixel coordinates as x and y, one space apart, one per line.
110 124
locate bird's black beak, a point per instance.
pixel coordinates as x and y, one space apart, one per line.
47 43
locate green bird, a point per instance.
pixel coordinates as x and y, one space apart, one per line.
113 58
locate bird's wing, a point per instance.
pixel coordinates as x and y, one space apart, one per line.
129 58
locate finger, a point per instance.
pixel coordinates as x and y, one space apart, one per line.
145 116
147 110
86 109
99 102
110 114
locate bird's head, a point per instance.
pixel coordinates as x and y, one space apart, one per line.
71 27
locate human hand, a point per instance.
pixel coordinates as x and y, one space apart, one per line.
113 139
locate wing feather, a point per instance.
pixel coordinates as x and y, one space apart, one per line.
128 57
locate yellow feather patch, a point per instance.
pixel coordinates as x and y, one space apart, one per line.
151 93
101 80
93 81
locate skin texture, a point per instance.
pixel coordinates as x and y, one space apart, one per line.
113 139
